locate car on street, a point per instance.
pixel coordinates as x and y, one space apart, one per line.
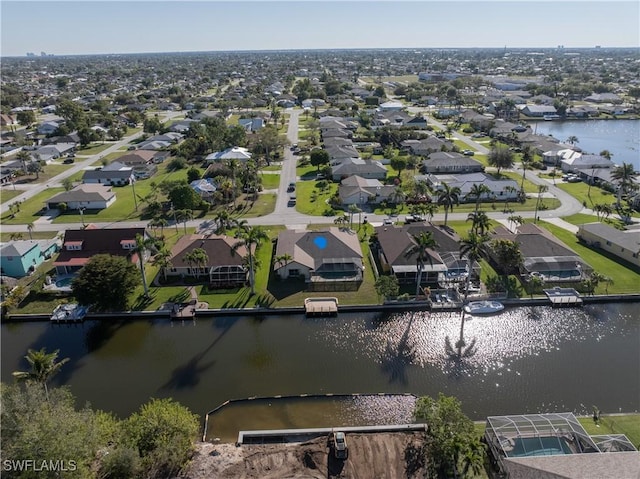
292 200
387 221
68 160
291 187
468 152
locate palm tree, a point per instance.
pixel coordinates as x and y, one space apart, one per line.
541 189
572 140
624 177
197 257
184 216
283 259
24 157
162 259
422 243
448 197
341 220
473 247
30 227
430 209
352 210
477 190
224 222
251 238
480 222
142 245
526 164
158 223
43 367
509 190
397 197
516 220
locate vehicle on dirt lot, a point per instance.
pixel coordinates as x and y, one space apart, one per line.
340 445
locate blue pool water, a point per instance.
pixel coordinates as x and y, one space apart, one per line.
64 282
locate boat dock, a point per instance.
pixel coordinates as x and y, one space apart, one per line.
563 297
71 312
320 306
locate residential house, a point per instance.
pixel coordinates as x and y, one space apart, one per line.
450 162
624 244
182 126
539 111
603 98
235 153
8 120
394 244
355 190
499 190
224 267
390 106
85 196
114 174
340 151
79 246
357 166
328 260
426 146
51 152
20 258
575 163
251 125
48 127
205 188
544 255
143 162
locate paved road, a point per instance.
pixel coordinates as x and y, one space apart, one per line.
35 188
287 215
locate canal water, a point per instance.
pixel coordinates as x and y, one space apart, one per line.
527 360
620 137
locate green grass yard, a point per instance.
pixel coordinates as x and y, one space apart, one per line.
625 278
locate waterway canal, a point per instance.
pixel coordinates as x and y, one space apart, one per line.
529 359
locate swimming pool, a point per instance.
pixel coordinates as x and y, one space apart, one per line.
64 282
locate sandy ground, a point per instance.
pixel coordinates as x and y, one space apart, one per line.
371 455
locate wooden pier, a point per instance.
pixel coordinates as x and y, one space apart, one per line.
321 306
560 297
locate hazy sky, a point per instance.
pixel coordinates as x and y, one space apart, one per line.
87 27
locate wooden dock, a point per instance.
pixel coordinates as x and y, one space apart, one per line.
321 306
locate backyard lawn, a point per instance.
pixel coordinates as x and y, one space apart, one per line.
625 278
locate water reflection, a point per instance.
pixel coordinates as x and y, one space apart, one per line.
527 359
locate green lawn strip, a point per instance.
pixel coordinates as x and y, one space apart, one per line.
625 279
272 167
627 424
307 172
36 235
311 200
580 219
93 149
270 180
529 187
6 194
30 208
263 205
589 197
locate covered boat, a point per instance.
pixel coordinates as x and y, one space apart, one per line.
483 307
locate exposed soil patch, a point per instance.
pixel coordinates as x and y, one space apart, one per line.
379 455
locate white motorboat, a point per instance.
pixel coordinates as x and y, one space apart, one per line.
483 307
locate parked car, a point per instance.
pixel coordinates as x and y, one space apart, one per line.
387 221
68 160
291 187
292 200
340 445
468 152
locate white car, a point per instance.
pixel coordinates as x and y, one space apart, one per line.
340 445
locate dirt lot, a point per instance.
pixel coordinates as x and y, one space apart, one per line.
379 455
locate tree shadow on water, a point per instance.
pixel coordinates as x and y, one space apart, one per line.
188 375
396 358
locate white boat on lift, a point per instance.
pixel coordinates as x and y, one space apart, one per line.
483 307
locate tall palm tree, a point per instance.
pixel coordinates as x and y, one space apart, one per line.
625 177
526 163
422 243
158 222
224 221
184 216
516 220
477 191
430 209
197 257
541 189
251 238
449 196
353 209
142 246
572 140
480 222
162 259
473 247
509 190
30 227
43 367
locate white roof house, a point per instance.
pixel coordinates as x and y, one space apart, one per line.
234 153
